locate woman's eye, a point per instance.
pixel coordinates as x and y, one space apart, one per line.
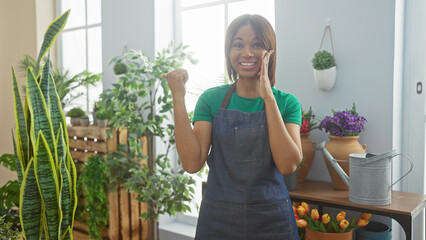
257 45
238 45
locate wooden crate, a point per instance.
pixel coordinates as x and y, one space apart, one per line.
124 209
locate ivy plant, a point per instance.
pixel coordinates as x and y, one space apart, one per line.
9 194
93 181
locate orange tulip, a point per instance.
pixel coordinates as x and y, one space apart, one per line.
302 223
314 214
294 210
301 210
297 217
340 216
344 224
362 222
325 218
366 216
306 206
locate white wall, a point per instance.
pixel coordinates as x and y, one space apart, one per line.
128 22
363 37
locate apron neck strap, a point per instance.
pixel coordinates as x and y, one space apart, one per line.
228 95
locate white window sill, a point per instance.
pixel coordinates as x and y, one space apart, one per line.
172 229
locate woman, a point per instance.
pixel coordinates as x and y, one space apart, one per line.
253 130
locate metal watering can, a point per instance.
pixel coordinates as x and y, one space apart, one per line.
371 176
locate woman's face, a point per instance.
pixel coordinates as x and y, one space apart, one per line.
246 53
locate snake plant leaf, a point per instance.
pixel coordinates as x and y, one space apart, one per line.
50 36
47 179
57 115
65 178
73 179
40 117
30 204
67 234
18 163
44 83
21 124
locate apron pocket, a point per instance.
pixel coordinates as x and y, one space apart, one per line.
252 143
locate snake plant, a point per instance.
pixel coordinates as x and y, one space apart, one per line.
46 172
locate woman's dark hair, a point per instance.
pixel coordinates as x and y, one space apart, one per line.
264 32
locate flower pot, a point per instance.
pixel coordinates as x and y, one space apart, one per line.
102 123
340 148
291 181
326 78
75 121
374 230
84 122
308 149
313 235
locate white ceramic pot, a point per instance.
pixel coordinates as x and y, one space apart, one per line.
326 78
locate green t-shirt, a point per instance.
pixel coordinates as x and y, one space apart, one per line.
209 104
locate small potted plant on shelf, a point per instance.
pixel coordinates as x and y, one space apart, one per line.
309 123
103 117
324 65
313 227
84 121
75 114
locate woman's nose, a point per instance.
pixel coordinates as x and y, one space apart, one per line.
248 52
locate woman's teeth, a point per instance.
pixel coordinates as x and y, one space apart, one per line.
247 64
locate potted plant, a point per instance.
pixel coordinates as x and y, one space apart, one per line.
309 123
84 121
103 117
324 67
45 169
9 195
344 128
75 114
313 227
95 109
141 102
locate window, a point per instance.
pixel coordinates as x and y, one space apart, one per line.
81 45
201 24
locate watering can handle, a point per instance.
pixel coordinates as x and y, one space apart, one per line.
411 168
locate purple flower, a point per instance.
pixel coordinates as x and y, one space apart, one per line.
344 123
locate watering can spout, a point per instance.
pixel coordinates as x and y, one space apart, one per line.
334 163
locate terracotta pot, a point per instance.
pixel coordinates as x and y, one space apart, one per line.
313 235
340 148
308 149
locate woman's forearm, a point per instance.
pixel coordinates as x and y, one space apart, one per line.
187 144
286 150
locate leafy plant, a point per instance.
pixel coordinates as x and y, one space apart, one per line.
66 85
120 68
7 230
93 180
141 102
309 122
9 194
323 60
103 114
76 112
46 172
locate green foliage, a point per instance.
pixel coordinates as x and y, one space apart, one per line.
46 172
103 114
323 60
9 194
141 101
120 68
7 231
67 86
93 180
76 112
